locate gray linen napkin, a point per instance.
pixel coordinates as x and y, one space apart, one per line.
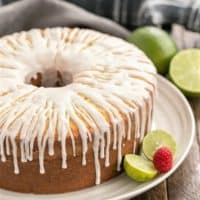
27 14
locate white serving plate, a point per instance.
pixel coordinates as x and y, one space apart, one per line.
173 114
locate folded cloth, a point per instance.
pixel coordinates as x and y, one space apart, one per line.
27 14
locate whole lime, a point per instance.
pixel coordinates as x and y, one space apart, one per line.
156 44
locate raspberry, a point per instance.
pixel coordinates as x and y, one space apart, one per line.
163 159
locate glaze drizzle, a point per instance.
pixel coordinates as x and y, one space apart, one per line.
113 82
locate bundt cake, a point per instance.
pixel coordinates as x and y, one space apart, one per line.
72 103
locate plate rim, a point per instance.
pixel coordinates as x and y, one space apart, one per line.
182 158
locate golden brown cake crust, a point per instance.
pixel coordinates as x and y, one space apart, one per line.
57 180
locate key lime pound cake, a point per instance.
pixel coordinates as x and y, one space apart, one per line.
73 102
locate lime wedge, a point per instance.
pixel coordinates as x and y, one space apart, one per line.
156 139
185 71
138 168
157 45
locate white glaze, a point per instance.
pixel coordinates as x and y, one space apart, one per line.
108 74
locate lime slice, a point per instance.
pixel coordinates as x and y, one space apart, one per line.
157 44
185 71
156 139
138 168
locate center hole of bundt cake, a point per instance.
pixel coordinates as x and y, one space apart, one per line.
50 78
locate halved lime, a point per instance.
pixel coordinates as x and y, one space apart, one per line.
156 139
185 71
138 168
157 44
